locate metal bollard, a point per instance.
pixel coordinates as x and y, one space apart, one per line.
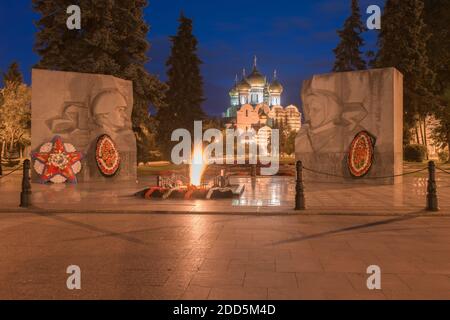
25 195
254 171
299 189
432 199
222 178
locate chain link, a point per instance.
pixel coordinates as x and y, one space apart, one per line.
369 178
11 172
444 171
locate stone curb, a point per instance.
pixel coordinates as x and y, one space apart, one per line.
284 213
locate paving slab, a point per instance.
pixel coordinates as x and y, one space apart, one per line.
154 256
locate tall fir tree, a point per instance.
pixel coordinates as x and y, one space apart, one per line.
403 44
112 41
348 52
184 97
437 16
13 74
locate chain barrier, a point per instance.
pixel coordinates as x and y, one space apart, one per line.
11 172
368 178
443 170
432 201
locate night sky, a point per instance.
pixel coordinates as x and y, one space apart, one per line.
296 37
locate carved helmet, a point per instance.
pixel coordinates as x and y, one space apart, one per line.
106 101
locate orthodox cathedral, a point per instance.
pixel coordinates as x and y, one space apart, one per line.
255 103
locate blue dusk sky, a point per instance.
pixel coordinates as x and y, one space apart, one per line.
295 37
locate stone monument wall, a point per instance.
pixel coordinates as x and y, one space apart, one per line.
339 107
80 108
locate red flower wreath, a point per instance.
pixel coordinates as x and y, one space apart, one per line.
107 156
360 156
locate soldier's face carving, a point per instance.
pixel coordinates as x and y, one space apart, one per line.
116 119
315 111
110 111
321 110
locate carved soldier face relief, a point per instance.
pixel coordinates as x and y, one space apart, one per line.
109 111
315 111
321 109
116 119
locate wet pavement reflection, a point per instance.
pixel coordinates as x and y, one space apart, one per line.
262 194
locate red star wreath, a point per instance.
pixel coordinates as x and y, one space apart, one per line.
57 162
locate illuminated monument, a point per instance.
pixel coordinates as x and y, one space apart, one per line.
255 103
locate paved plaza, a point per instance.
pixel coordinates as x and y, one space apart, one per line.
255 247
146 256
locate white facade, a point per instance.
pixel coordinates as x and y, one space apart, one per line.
249 116
255 104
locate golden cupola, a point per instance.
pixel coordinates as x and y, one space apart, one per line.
256 79
275 87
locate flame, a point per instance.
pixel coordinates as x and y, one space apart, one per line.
198 166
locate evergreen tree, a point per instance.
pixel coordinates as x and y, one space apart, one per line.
284 130
185 94
348 52
112 41
403 45
291 143
437 16
13 75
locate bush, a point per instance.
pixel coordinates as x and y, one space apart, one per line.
443 156
415 153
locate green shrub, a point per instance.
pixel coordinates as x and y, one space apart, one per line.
443 156
415 153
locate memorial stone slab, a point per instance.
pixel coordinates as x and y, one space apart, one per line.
353 128
80 108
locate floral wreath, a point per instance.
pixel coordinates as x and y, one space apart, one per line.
361 154
57 162
107 156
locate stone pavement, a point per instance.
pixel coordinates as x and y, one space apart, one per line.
264 195
191 256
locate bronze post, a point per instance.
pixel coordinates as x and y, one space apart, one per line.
25 195
254 171
432 200
299 189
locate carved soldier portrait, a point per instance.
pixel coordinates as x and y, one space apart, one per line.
109 111
330 124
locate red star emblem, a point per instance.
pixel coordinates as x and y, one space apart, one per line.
58 162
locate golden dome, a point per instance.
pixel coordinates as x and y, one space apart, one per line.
276 87
243 86
234 91
256 79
